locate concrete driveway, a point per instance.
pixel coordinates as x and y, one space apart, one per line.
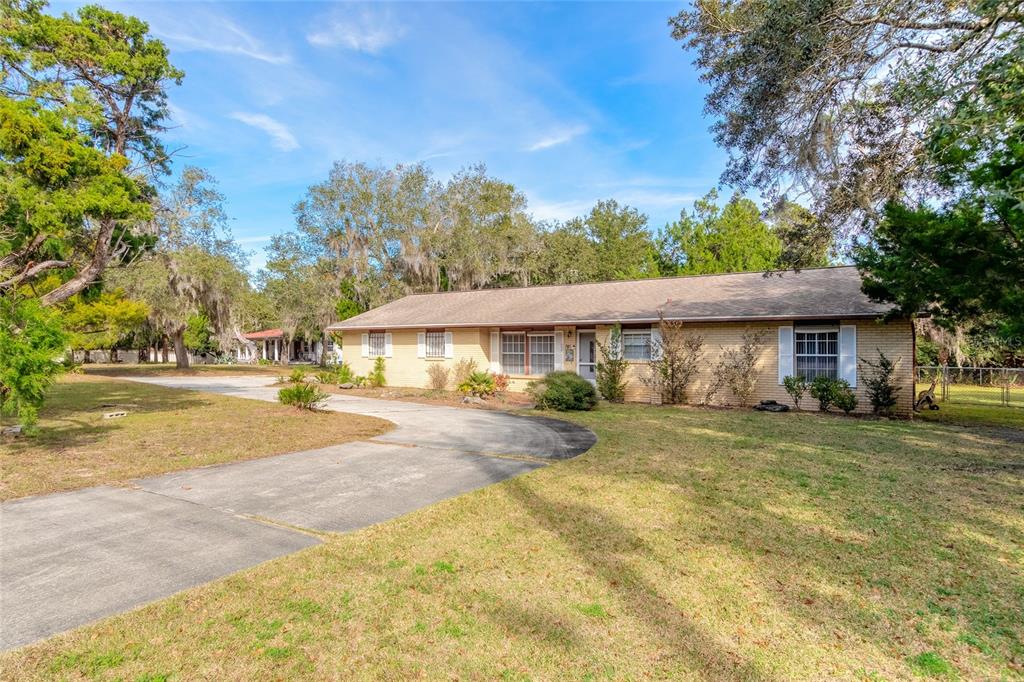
71 558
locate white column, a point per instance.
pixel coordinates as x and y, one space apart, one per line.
277 350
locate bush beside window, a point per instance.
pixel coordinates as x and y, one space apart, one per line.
438 376
880 384
563 391
675 361
479 384
376 377
829 392
462 370
795 386
611 370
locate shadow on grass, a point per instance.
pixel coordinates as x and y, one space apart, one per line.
864 527
604 544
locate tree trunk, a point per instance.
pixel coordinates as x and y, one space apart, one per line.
180 352
92 270
164 353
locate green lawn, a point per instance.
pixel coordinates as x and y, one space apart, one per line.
978 405
688 544
165 430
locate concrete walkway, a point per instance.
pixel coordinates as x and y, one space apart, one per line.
70 558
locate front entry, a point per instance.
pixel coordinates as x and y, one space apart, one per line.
587 364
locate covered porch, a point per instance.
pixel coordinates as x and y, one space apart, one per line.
272 345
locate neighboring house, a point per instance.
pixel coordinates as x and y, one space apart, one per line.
270 344
816 321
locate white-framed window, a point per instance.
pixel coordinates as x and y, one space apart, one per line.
329 344
435 344
377 344
513 353
542 353
816 353
636 345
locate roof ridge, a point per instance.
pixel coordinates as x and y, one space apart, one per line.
624 281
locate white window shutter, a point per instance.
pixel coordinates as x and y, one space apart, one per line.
785 352
655 342
559 350
848 353
496 352
449 345
366 346
421 345
387 344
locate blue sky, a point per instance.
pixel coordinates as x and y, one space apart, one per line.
572 102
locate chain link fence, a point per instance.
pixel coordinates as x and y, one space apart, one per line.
995 386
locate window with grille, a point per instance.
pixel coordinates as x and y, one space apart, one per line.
377 344
513 353
817 354
435 344
542 353
636 345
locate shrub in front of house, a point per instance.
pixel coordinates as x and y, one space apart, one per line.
376 377
501 382
438 376
611 370
479 384
563 391
337 374
462 370
845 399
881 387
829 392
796 387
297 376
675 361
304 396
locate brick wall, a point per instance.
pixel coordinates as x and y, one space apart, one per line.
895 339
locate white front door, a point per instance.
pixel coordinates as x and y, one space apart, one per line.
586 365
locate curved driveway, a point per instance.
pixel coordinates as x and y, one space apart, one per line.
70 558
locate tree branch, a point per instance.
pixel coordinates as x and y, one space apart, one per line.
32 271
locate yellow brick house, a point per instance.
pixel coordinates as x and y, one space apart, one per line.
816 321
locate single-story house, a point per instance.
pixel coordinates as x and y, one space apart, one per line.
271 344
815 321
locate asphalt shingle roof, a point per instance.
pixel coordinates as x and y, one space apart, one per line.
817 293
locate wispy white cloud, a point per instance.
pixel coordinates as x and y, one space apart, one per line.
280 136
559 210
556 138
207 31
362 31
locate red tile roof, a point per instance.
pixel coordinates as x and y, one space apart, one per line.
265 334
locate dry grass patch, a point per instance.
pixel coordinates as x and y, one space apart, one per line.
688 544
154 369
165 430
